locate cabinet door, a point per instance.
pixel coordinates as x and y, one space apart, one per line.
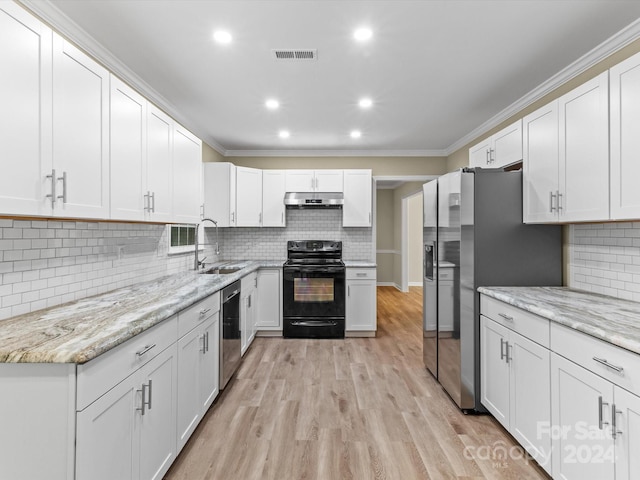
249 202
584 152
480 154
210 364
157 427
329 181
187 176
507 145
357 198
273 190
25 116
128 152
190 348
581 413
105 435
494 369
530 397
360 311
80 133
268 312
540 165
628 435
220 193
244 315
624 104
300 181
159 165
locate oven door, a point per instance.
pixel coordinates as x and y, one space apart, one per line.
313 292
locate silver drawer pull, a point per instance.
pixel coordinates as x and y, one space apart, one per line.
614 421
601 422
506 317
145 350
205 311
604 362
361 274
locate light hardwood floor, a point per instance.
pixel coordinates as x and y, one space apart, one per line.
359 408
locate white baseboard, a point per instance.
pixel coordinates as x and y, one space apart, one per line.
415 284
385 284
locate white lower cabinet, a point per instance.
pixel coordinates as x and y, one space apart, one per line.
248 305
360 308
515 387
627 440
130 431
269 301
198 370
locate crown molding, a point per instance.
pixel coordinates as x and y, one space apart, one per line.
62 24
614 43
335 153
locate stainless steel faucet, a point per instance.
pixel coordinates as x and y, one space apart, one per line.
197 263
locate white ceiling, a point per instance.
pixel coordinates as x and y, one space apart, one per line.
437 70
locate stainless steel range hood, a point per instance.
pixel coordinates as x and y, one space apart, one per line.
313 199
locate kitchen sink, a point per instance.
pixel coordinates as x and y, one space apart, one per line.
221 271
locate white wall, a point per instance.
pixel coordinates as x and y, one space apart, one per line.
414 232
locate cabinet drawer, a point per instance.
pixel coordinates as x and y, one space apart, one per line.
525 323
104 372
197 313
584 349
361 274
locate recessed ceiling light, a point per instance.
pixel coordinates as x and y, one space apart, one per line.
272 104
362 34
365 103
284 134
222 36
356 134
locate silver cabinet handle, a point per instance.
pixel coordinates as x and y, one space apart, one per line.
559 195
551 197
153 202
509 358
64 187
249 301
601 404
52 195
207 341
361 274
506 317
281 218
488 155
614 421
491 155
348 290
146 201
150 393
233 217
145 349
202 211
604 362
203 337
502 344
146 402
260 218
204 311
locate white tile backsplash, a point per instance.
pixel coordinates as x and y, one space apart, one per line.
44 263
605 258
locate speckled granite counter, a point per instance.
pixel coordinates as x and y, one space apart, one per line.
359 264
79 331
610 319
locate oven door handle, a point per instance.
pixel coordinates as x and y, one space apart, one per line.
314 269
313 323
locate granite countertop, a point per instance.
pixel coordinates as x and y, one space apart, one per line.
610 319
79 331
359 263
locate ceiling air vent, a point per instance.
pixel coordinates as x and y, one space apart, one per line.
295 54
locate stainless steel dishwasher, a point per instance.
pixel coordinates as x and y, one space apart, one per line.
230 342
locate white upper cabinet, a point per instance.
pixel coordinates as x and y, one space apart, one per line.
249 202
501 149
584 152
540 164
314 181
273 190
566 157
187 176
158 192
128 152
25 115
356 211
80 133
625 140
220 192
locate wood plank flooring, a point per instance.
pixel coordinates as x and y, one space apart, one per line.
358 408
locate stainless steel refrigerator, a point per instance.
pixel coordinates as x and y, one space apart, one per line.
474 236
